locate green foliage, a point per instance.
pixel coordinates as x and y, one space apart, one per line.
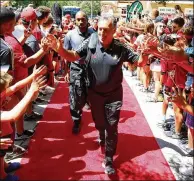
64 3
84 5
24 3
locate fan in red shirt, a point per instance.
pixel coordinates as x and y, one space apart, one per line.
177 25
20 70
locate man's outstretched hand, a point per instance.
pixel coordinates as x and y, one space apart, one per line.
54 43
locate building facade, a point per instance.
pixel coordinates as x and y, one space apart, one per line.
119 7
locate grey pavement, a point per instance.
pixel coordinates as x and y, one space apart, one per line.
153 113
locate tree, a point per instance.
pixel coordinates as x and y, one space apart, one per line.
86 7
64 3
24 3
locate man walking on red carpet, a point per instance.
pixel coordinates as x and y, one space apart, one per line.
104 59
77 86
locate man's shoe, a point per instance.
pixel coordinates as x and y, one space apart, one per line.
33 116
10 178
25 135
108 167
76 128
18 151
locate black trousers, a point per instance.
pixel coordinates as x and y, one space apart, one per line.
106 112
77 93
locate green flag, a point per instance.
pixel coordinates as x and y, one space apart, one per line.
135 6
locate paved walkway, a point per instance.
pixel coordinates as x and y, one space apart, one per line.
152 112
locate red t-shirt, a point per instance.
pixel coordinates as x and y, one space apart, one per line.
20 71
173 74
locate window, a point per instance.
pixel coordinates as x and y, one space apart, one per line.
124 11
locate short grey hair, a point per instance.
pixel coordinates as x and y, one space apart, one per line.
110 19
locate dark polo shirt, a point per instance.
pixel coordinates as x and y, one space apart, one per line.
106 65
6 55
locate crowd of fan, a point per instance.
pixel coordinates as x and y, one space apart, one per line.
28 65
169 77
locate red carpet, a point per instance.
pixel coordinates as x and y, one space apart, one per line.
55 154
